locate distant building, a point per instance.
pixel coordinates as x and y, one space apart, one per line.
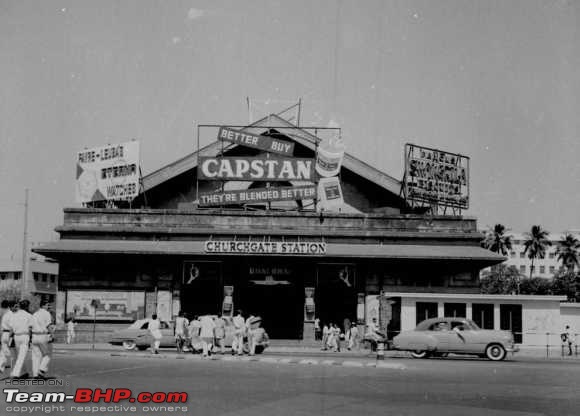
43 277
545 267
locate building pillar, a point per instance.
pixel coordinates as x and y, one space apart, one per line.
496 316
468 311
440 310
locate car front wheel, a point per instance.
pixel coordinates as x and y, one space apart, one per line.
495 352
419 354
129 345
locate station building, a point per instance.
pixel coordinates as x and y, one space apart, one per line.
282 261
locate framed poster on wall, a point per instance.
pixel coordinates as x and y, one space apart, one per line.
111 305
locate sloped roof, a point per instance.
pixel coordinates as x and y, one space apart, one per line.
286 128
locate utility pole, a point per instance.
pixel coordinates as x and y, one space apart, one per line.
24 285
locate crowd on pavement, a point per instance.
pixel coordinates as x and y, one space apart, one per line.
207 333
332 336
21 332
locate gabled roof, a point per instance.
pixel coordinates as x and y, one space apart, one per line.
286 128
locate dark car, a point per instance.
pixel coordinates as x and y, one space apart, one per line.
441 336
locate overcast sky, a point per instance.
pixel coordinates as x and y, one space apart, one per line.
498 81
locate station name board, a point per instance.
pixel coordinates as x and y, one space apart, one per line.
256 169
260 247
267 143
257 195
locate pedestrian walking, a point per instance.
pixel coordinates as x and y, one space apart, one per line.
220 333
42 329
567 340
206 334
70 330
154 329
325 334
193 333
239 327
21 326
181 324
317 330
353 338
6 339
338 335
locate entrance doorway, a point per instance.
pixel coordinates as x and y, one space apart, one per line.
336 295
276 294
201 290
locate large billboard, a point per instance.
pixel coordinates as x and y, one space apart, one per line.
256 169
110 305
108 173
436 177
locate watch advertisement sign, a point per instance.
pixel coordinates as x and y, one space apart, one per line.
108 173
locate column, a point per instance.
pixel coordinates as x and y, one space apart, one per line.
468 312
496 316
440 309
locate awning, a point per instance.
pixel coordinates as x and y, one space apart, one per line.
334 250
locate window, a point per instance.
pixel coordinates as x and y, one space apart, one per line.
2 276
35 276
439 326
522 269
552 255
512 254
521 254
44 277
17 275
542 269
482 314
426 310
552 269
454 310
52 279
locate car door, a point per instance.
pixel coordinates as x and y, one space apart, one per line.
167 334
440 333
462 338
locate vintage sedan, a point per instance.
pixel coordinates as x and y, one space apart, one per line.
440 336
137 335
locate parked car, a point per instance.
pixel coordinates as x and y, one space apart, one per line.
441 336
137 335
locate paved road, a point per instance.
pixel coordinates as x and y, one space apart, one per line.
408 387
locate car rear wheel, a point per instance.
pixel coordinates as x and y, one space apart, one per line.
420 354
495 352
129 345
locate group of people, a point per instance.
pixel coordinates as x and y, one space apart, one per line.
207 334
332 336
21 332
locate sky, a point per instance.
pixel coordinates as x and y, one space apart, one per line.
495 80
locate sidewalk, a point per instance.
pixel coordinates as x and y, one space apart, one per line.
538 353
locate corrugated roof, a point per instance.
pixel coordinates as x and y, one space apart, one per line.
390 251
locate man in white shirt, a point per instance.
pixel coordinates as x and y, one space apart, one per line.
21 326
41 333
154 328
5 355
206 333
181 324
239 326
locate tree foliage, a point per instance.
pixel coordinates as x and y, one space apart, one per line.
536 244
497 241
568 251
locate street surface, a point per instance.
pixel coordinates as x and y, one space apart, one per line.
275 386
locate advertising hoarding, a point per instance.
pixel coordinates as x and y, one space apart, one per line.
267 143
256 169
108 173
111 305
256 195
436 177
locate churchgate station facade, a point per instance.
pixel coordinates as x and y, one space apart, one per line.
170 252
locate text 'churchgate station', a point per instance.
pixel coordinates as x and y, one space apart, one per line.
246 222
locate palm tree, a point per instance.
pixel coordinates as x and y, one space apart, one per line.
497 241
536 244
568 252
